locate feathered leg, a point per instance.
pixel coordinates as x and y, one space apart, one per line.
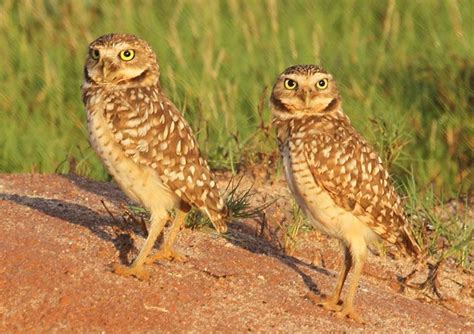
167 252
137 268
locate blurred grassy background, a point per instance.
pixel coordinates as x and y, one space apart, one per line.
405 69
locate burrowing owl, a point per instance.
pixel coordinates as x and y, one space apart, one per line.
145 142
334 174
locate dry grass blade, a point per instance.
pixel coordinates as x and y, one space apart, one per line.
108 211
430 285
130 216
137 216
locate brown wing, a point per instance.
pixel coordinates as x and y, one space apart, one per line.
344 164
154 133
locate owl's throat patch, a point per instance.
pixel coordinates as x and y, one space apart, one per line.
333 105
141 77
278 104
87 77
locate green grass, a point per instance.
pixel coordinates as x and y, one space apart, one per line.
405 70
298 224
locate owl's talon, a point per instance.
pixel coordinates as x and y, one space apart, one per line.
328 303
168 254
139 272
350 313
331 306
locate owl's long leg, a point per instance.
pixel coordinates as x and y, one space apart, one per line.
137 268
332 302
358 251
167 252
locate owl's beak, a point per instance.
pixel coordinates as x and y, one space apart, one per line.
307 97
106 67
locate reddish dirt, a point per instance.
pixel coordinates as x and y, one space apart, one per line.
57 243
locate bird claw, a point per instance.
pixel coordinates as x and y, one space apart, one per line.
350 313
328 303
332 304
166 254
137 271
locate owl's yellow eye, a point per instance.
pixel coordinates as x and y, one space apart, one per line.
127 55
322 84
290 84
94 53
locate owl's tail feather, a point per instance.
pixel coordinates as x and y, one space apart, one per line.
410 246
219 219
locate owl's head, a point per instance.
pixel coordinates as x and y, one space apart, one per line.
304 89
121 59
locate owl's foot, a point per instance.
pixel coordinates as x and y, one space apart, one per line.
168 254
328 303
348 311
137 271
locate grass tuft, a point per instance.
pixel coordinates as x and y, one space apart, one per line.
240 203
444 228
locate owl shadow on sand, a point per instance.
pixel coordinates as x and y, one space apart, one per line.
106 189
104 226
119 232
244 236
